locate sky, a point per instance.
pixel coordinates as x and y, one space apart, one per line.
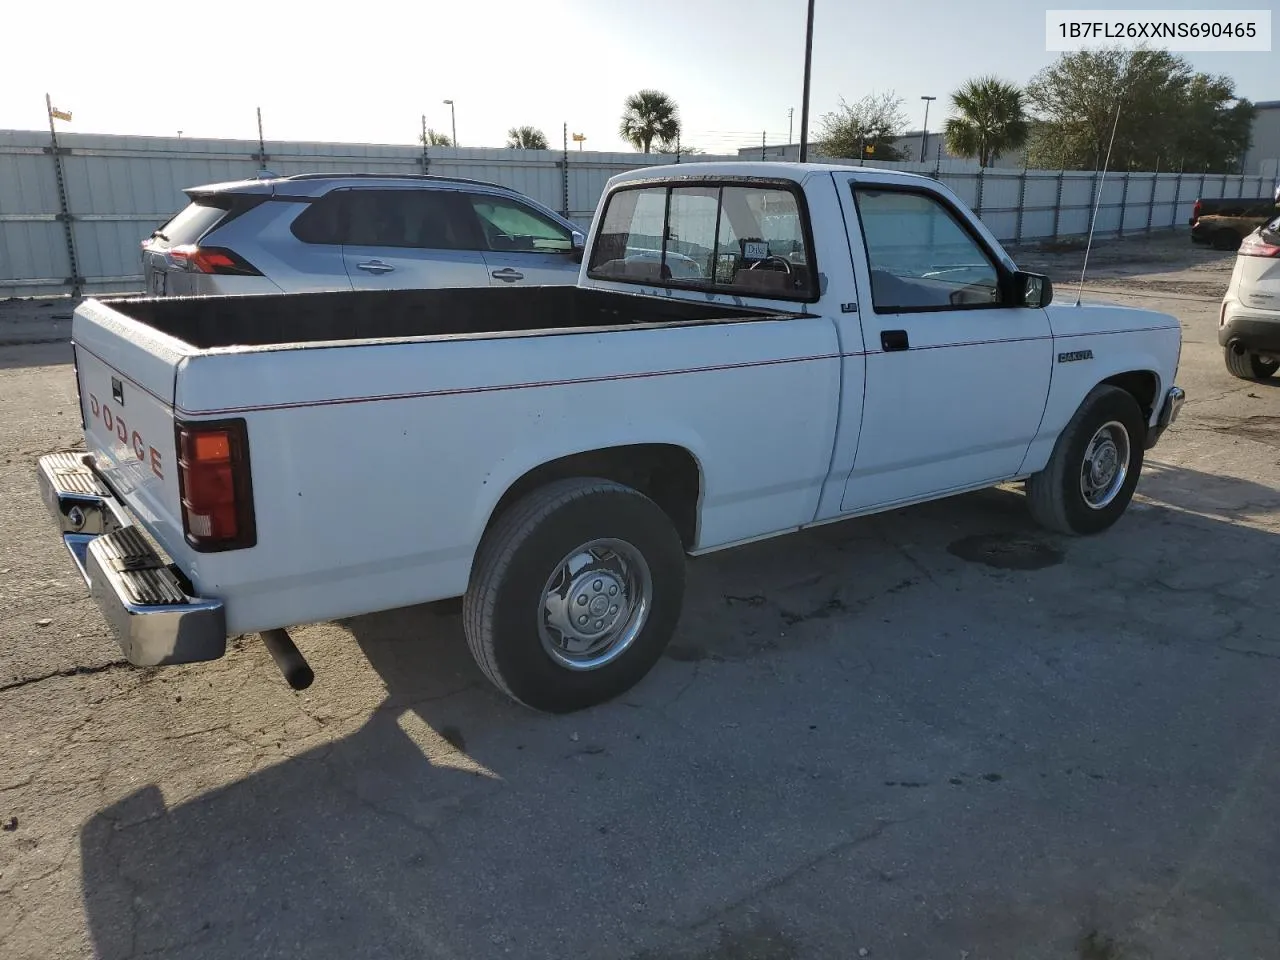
368 72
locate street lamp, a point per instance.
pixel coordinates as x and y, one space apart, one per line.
924 134
804 106
453 122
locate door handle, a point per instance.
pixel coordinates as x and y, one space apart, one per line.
891 340
507 274
375 266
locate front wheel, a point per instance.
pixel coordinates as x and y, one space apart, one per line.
575 592
1248 366
1090 478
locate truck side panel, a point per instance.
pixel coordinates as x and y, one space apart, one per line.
348 448
1092 343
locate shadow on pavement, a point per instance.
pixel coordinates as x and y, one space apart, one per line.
14 357
858 737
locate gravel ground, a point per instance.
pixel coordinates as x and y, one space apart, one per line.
937 733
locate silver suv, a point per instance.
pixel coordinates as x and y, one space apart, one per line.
318 232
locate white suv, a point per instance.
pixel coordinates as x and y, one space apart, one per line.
319 232
1249 325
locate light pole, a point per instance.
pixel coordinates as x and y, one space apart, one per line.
453 122
924 134
791 115
804 106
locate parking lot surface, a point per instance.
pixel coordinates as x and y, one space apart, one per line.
934 733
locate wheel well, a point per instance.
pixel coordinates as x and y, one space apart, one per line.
666 474
1141 385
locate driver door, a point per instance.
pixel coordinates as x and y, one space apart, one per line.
956 376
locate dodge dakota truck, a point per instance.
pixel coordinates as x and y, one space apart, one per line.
751 349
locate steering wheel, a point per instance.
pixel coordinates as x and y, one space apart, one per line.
987 294
772 258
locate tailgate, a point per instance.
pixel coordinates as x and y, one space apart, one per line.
125 372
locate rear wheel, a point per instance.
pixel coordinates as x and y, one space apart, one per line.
1090 478
575 592
1248 366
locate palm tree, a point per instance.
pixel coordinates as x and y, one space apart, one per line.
647 116
433 138
992 120
526 138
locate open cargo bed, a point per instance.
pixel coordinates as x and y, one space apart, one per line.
213 322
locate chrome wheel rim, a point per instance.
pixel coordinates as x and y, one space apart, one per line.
1106 465
594 604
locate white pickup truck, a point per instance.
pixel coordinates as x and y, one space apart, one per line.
832 341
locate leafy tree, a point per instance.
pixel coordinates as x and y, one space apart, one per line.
433 138
526 138
868 127
674 146
991 120
648 116
1170 117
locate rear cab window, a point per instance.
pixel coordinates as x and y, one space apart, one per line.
741 237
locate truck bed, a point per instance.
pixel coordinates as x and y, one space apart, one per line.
255 321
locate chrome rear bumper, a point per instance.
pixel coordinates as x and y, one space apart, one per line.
146 600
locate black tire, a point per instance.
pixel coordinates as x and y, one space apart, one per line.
1247 366
1054 495
1226 240
518 554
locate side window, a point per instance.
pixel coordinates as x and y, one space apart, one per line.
920 256
422 219
510 226
321 220
732 239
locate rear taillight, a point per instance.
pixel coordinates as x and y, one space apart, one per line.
1254 246
1195 211
214 485
212 260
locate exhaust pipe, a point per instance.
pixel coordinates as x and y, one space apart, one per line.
297 672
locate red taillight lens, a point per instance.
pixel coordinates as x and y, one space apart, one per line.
1254 246
1195 211
212 260
214 485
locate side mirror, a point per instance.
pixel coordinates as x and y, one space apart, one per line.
1032 289
579 245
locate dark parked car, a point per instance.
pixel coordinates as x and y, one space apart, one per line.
1223 223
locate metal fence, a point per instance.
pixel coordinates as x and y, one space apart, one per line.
72 220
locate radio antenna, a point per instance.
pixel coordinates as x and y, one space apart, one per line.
1102 182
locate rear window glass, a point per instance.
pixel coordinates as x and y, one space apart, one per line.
731 238
193 221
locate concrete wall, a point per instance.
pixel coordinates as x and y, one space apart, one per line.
118 189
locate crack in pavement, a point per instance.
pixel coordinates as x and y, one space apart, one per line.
68 672
782 879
